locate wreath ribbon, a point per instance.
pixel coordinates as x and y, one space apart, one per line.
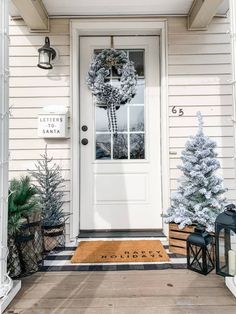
112 120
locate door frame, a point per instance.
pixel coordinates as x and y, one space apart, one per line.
106 27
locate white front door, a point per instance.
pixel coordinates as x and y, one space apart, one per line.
120 183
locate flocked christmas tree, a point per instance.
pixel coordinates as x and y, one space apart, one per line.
199 196
50 190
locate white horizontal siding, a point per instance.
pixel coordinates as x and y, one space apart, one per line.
27 61
38 81
199 59
36 102
32 88
191 49
199 79
38 143
199 100
208 111
25 51
222 141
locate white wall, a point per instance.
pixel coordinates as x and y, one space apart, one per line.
199 75
199 79
31 88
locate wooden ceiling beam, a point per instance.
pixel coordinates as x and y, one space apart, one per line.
34 14
201 13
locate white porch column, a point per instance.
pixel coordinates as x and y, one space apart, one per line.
231 281
7 289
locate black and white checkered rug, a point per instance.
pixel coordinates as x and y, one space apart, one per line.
60 261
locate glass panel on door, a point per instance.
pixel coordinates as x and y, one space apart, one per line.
130 140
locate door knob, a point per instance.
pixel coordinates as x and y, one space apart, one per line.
84 141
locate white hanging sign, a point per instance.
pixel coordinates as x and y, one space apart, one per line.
53 122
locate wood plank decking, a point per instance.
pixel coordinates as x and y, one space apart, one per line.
123 292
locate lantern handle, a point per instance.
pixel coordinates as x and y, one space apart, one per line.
200 228
230 207
47 41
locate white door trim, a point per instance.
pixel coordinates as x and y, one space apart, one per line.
93 27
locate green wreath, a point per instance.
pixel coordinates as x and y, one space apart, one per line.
106 94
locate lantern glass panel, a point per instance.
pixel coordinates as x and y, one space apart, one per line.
233 240
210 256
45 59
196 260
223 254
227 242
225 235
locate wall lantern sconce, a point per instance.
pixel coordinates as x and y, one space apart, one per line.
46 55
200 251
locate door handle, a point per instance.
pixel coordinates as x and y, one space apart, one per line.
84 141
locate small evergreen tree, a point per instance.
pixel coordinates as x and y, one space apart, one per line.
198 197
50 190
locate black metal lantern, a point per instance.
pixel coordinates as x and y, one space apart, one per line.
225 234
200 251
46 55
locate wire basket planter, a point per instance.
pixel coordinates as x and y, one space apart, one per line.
26 247
22 259
53 237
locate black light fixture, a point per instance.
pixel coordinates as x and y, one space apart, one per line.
200 251
225 234
46 55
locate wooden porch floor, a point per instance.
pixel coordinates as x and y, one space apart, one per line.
128 292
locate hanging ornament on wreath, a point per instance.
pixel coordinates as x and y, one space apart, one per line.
106 94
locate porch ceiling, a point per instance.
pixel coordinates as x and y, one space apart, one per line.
121 7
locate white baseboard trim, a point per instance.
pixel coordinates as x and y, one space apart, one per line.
231 284
4 302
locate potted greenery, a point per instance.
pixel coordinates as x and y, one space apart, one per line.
50 191
198 197
21 202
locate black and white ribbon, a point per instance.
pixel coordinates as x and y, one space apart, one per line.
112 120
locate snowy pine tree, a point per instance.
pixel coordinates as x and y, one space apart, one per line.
49 188
199 196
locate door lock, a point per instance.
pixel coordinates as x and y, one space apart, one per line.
84 141
84 128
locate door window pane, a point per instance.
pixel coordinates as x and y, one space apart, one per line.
101 119
136 118
103 146
137 147
121 115
139 97
120 146
138 58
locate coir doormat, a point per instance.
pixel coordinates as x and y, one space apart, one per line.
120 252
